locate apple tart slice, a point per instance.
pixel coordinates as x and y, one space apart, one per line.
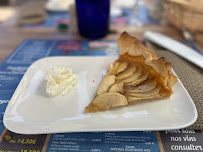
137 76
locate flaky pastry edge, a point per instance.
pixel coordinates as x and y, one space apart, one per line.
132 46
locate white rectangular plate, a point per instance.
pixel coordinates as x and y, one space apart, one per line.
31 111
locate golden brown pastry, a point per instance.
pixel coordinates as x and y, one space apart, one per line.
137 76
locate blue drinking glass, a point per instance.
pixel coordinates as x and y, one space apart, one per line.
93 18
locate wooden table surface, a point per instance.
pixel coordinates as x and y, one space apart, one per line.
11 35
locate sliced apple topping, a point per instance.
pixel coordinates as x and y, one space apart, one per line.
143 77
105 84
107 101
127 73
134 77
118 87
146 86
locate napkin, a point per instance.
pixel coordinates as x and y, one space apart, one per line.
32 13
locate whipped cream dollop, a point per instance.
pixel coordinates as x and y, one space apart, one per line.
60 80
